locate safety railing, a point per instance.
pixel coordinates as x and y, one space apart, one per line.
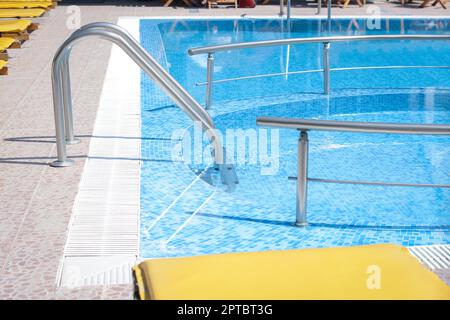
326 42
62 101
344 126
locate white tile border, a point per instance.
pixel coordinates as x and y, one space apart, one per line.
103 240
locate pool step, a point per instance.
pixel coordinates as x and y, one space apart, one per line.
178 214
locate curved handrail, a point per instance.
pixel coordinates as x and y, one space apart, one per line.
351 126
280 42
119 36
326 41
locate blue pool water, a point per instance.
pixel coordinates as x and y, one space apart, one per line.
182 214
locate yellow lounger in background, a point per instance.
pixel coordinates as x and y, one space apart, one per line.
3 68
383 271
21 13
5 43
17 26
14 25
24 4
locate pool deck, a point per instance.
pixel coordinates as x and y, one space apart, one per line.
36 200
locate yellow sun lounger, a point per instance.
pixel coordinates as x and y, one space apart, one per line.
3 68
19 30
16 26
24 5
381 271
21 13
5 43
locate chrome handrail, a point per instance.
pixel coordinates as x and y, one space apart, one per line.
351 126
344 126
326 41
61 87
332 39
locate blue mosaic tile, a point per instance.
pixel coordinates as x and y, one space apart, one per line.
182 215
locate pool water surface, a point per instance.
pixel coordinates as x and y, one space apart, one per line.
182 214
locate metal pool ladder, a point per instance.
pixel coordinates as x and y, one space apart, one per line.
62 100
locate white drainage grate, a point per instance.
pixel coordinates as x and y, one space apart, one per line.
103 240
80 271
434 256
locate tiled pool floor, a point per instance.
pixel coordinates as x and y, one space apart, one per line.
186 216
182 215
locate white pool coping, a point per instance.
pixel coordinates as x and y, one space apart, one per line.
103 239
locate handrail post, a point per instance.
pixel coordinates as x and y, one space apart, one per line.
326 68
67 96
281 8
319 7
61 88
209 80
288 13
58 109
302 179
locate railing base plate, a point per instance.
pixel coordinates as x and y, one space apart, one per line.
301 224
61 164
74 141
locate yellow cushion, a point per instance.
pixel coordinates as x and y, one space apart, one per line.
14 25
24 4
329 273
3 64
5 43
21 13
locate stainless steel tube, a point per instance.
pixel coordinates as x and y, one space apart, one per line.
329 16
161 77
350 126
321 71
345 126
67 96
302 180
281 42
281 8
209 80
133 43
319 7
58 110
326 68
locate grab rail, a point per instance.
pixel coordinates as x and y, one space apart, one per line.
326 41
289 6
345 126
62 101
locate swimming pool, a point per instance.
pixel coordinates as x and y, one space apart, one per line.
182 214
